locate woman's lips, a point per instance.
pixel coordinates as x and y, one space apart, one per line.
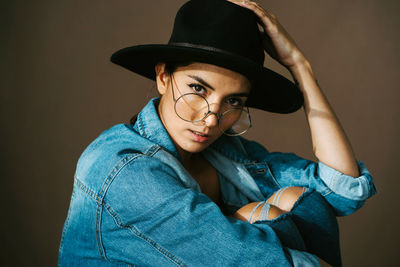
199 137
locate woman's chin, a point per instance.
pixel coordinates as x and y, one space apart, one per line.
195 147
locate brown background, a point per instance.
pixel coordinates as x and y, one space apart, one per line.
59 91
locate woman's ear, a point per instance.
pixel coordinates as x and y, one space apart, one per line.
162 78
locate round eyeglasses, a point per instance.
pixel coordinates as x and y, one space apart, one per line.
194 108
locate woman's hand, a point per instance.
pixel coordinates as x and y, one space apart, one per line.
277 42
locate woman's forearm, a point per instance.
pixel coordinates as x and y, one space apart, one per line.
330 143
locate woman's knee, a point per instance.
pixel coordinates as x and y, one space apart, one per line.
285 197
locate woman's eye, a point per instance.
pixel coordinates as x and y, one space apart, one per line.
235 102
198 89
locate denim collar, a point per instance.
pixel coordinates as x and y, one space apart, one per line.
150 126
232 148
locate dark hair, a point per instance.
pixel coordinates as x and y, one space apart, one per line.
170 67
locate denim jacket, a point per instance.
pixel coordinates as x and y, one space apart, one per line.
134 203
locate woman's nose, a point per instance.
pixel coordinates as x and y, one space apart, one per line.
211 119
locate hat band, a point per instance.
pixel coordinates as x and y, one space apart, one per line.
207 48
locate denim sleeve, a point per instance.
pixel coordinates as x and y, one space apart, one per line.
345 193
149 218
359 188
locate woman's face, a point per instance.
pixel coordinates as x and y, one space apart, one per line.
221 87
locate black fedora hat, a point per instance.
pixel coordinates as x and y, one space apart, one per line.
221 33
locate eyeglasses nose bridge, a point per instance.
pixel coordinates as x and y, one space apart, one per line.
218 116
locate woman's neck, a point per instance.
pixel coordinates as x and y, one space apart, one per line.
188 158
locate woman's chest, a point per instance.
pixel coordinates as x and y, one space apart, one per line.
207 178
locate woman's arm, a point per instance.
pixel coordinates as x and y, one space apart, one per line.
149 209
330 144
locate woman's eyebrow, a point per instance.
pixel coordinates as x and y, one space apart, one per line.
240 94
200 80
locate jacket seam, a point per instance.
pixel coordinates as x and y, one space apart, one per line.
98 201
119 166
141 127
87 191
106 184
118 221
104 188
326 192
110 177
272 175
99 240
99 198
152 150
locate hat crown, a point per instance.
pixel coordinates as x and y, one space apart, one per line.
224 34
219 25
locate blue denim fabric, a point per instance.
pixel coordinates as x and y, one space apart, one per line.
134 203
310 226
318 226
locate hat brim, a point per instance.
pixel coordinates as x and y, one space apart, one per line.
270 91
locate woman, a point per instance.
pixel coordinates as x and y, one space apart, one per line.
179 186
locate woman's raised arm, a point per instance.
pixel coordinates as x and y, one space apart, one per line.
330 143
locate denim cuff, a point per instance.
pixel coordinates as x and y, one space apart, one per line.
359 188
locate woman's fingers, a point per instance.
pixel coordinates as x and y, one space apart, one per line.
266 18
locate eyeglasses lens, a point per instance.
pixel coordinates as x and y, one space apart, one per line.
194 108
191 107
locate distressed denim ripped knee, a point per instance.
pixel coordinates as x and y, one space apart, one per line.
310 226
